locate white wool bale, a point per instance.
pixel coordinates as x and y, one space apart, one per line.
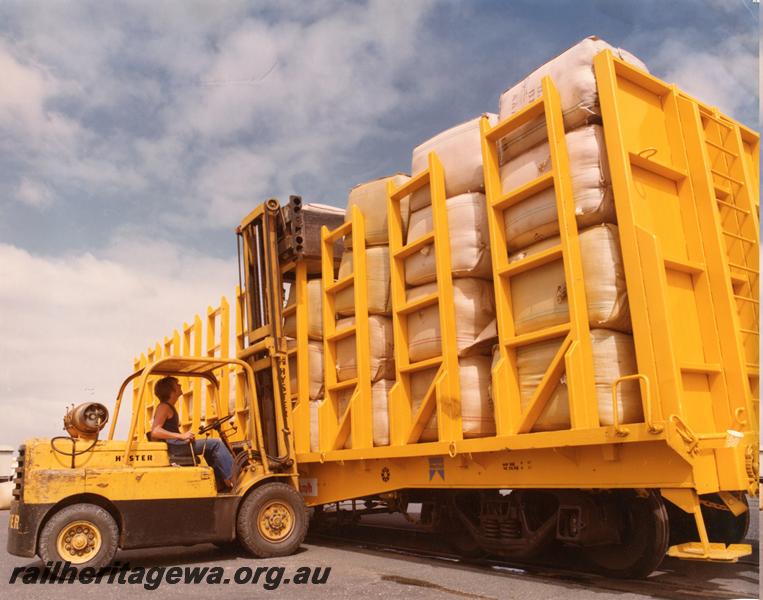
613 357
371 199
573 75
539 296
382 349
314 406
475 307
532 363
377 283
469 241
484 343
460 152
379 409
477 415
314 368
314 311
536 218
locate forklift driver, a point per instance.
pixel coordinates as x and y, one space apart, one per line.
166 427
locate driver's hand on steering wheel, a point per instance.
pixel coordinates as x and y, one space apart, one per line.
188 436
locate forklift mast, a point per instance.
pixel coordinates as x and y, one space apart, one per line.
272 242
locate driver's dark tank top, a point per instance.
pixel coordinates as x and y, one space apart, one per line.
172 423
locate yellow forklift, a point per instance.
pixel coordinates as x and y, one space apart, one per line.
79 498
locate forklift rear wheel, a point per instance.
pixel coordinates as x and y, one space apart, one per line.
85 535
272 521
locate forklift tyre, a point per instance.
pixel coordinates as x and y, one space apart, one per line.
272 521
86 535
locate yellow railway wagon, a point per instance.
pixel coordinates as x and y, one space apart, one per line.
685 186
685 189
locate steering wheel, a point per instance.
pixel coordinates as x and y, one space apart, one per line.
215 425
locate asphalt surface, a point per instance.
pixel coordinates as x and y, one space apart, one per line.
364 573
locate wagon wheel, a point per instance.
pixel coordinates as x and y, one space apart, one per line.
456 535
644 536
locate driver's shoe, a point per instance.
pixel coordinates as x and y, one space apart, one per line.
224 486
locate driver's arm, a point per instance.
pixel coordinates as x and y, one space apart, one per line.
158 432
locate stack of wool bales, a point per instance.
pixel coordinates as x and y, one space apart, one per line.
539 296
371 199
314 349
459 151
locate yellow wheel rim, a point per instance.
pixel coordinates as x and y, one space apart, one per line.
78 542
275 521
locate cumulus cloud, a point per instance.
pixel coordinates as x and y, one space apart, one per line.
723 76
24 91
720 73
296 97
156 101
34 193
78 321
229 183
193 115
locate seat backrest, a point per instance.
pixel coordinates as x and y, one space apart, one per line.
180 454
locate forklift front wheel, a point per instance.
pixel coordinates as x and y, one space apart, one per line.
272 521
83 534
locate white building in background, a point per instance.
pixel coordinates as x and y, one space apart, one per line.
7 464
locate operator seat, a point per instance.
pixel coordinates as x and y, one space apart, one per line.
180 454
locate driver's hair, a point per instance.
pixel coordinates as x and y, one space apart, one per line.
163 388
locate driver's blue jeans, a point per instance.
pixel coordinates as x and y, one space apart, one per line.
215 453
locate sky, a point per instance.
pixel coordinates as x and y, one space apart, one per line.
134 137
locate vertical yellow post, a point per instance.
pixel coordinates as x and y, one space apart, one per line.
584 412
739 409
443 397
172 348
301 412
210 410
242 410
148 397
196 398
574 355
649 338
399 400
328 413
360 410
746 171
224 373
356 420
218 345
751 147
150 401
186 401
448 396
138 364
505 382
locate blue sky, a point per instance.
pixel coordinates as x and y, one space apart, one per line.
134 137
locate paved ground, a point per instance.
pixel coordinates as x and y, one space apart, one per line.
359 573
